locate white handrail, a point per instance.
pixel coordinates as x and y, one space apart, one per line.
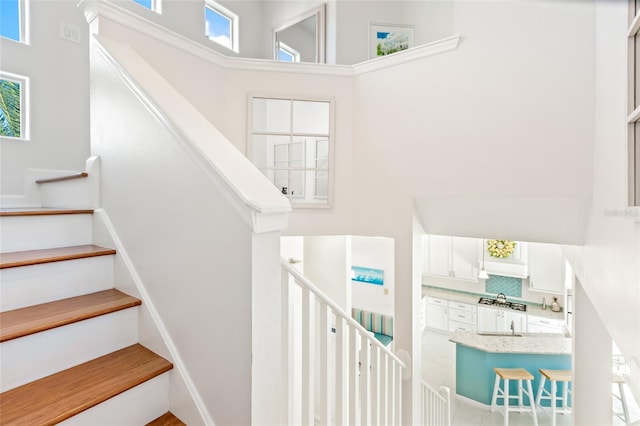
350 378
305 283
436 406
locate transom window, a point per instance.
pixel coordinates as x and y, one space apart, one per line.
291 142
221 25
13 20
12 106
633 119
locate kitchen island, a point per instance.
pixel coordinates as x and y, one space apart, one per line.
478 354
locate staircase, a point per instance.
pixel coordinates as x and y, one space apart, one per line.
69 348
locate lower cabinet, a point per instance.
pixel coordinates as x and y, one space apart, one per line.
544 325
492 320
436 310
462 316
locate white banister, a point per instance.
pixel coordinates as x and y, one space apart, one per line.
436 406
349 379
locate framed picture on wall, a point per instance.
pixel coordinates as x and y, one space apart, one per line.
367 275
385 39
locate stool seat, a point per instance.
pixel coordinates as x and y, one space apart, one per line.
522 378
513 373
557 375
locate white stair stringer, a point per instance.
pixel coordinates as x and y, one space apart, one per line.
137 406
47 282
38 355
20 233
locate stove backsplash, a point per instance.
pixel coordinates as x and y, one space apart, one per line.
511 287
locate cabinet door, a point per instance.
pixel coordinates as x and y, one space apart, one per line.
464 258
439 256
546 268
437 317
488 320
519 321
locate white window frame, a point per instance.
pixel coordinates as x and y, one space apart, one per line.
23 23
156 6
24 107
633 119
233 20
325 201
289 51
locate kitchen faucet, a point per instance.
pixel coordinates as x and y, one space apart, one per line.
513 328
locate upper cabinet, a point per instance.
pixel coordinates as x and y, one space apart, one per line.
452 257
546 268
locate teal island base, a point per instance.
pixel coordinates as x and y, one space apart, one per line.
475 376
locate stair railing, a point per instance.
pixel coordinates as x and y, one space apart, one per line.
336 371
436 406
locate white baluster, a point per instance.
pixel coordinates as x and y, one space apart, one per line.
342 373
308 357
375 385
324 329
384 391
287 349
365 381
398 394
353 375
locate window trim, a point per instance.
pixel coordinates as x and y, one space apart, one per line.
327 202
156 6
633 119
24 104
23 23
234 21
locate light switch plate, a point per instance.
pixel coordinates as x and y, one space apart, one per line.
69 32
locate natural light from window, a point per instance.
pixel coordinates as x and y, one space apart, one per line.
221 25
287 54
12 108
12 19
149 4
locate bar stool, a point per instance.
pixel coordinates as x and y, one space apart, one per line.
554 376
624 414
519 374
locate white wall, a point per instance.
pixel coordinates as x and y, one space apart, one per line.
611 263
327 265
58 104
376 253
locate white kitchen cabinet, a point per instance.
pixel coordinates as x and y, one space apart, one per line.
537 324
546 268
495 320
453 257
437 313
462 316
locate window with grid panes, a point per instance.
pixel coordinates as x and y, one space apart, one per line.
290 141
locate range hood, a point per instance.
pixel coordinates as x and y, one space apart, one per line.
506 268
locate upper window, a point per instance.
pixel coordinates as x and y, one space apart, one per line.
287 54
291 142
149 4
12 106
221 25
633 119
13 19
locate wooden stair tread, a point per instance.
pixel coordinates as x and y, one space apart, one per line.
34 257
42 212
55 398
33 319
167 419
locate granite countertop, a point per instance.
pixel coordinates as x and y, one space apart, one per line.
473 299
526 343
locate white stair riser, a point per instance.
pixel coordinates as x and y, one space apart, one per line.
21 233
32 285
137 406
38 355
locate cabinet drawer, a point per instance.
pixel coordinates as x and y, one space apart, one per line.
436 301
462 316
462 306
455 325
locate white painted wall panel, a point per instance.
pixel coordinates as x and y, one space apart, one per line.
21 233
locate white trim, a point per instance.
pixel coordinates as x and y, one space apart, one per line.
288 50
23 81
109 10
320 14
635 26
634 116
178 362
